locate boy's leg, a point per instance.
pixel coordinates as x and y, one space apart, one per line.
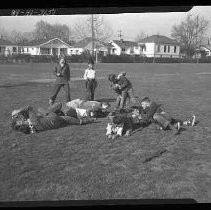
56 90
88 91
123 100
166 123
161 120
118 100
67 92
131 95
92 90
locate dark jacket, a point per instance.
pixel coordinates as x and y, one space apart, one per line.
147 114
64 72
124 83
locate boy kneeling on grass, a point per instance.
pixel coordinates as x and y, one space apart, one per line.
153 113
27 120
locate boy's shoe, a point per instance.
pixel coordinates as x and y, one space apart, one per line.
190 122
193 120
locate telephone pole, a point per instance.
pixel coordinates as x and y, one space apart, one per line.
93 44
92 19
120 34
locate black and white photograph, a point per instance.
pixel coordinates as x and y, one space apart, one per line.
102 106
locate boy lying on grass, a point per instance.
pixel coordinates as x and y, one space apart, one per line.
93 108
123 122
27 120
149 112
152 112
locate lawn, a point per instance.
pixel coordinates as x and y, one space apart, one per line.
79 163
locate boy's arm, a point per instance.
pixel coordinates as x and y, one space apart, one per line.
108 129
123 82
120 130
85 74
55 71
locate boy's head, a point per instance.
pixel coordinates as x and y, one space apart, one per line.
62 60
121 74
145 102
20 125
135 111
112 78
91 63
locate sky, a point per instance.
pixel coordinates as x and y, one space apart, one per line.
131 24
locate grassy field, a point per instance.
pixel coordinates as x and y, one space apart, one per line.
79 163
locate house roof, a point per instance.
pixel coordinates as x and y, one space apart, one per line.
126 44
38 42
159 39
84 42
5 42
206 46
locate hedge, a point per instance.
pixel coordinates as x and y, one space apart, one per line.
26 58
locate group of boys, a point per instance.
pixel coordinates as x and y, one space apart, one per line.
124 121
121 121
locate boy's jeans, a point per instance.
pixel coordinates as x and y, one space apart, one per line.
162 119
127 94
57 88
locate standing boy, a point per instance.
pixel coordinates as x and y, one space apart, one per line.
90 78
62 73
126 89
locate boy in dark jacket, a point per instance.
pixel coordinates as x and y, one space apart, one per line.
62 73
117 88
152 112
126 89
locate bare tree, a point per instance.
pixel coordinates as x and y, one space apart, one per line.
190 33
44 30
140 36
82 29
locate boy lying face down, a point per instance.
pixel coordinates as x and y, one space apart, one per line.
152 112
28 120
93 108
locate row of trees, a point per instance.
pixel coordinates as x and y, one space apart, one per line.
79 31
190 33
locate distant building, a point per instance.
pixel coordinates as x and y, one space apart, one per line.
205 50
6 47
159 46
120 47
86 45
53 46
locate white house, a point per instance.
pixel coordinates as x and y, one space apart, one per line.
53 46
86 45
124 47
6 47
206 49
159 46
